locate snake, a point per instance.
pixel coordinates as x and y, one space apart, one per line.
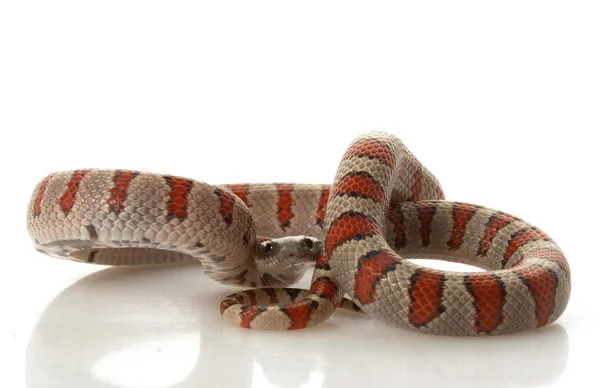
358 234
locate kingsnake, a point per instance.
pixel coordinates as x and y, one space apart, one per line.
384 205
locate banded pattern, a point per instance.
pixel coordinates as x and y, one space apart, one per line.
226 204
178 197
384 205
125 217
118 194
322 205
37 201
284 205
67 200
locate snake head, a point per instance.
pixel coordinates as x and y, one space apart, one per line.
287 258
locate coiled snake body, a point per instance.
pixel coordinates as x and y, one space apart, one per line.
383 205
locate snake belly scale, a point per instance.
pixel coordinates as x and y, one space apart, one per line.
384 206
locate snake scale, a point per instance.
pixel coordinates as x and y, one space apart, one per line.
384 206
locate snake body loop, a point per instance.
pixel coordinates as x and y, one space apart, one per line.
383 207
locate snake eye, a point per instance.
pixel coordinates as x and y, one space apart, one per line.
268 247
308 242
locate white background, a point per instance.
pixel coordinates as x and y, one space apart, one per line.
499 99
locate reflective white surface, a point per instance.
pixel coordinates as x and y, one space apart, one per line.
160 327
